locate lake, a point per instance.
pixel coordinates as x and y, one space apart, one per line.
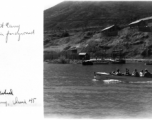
70 92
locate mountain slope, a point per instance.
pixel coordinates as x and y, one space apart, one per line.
78 14
134 43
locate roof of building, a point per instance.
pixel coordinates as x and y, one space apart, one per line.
135 22
82 53
147 18
143 19
108 28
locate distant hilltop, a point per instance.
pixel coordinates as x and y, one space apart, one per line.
81 14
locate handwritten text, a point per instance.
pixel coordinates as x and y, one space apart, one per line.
7 30
6 93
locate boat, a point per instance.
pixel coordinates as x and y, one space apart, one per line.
93 62
102 61
87 62
104 76
118 61
148 63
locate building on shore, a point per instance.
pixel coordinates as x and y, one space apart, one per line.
84 56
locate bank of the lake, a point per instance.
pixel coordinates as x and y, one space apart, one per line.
70 61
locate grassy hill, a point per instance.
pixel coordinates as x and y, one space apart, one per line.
78 14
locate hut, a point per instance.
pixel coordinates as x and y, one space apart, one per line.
84 56
137 24
147 19
111 30
143 24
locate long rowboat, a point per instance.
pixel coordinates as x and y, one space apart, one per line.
148 63
102 76
94 62
118 61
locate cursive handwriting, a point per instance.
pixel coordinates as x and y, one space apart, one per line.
19 102
6 93
8 25
7 32
18 34
2 25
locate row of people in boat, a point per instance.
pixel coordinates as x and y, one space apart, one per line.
135 73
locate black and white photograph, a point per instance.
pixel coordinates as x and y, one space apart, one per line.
97 59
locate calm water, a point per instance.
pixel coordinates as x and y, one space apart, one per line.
69 92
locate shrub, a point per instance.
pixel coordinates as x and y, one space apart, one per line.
63 60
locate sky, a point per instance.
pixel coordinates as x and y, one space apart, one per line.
51 3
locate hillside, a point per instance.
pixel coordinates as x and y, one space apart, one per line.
78 14
67 26
133 42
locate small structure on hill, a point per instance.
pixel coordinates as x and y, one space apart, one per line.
84 56
138 23
142 24
111 30
147 19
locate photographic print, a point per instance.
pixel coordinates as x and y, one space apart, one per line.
97 59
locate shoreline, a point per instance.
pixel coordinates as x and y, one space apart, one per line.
69 61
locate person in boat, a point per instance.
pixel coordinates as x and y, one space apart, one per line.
127 72
113 72
141 73
135 73
118 72
147 73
